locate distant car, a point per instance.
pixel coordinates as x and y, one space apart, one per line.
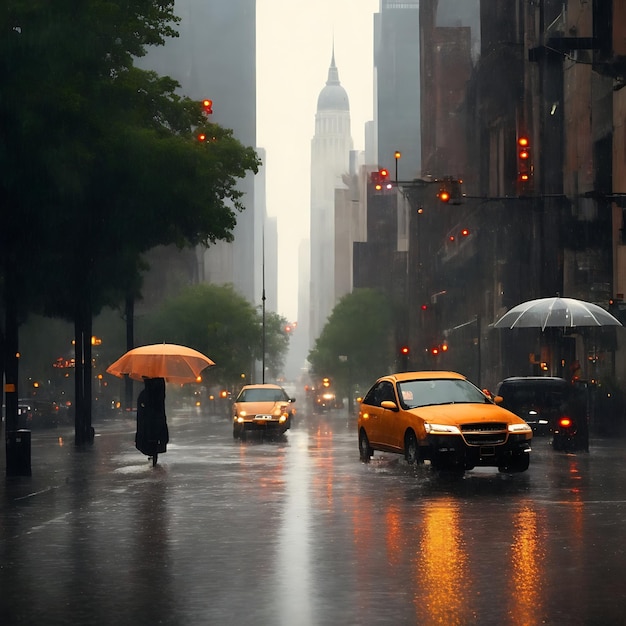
38 413
538 400
443 418
265 408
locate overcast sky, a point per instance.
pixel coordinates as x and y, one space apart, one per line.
294 47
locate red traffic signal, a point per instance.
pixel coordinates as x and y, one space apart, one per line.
523 159
444 195
201 137
207 106
380 179
404 350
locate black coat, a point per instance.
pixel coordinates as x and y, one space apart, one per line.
152 432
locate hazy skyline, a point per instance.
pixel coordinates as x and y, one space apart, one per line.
294 47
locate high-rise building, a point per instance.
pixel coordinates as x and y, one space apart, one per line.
397 86
330 161
215 57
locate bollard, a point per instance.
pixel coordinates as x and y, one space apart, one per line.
18 453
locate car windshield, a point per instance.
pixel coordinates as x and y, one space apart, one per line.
262 395
416 393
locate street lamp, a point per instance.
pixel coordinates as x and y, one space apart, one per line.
397 156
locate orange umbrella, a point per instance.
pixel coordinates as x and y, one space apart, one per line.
177 364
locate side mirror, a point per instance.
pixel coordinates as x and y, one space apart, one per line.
292 399
389 404
498 399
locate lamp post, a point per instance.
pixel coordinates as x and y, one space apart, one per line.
397 156
263 305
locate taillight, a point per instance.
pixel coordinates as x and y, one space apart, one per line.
565 422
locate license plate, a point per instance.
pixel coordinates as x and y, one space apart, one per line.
487 451
262 417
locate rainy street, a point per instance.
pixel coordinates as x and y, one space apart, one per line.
299 531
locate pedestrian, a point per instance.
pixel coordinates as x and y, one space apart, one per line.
152 434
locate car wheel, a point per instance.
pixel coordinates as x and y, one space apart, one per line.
411 453
365 450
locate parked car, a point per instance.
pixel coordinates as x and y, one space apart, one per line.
441 417
538 400
38 413
262 408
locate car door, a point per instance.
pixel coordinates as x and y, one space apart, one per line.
375 412
386 419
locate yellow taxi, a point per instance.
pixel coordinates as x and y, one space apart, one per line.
265 408
443 418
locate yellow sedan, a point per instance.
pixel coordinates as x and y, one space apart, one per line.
264 408
443 418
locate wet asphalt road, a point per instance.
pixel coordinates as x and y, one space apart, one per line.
299 532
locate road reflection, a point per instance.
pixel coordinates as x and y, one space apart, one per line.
293 562
441 578
527 558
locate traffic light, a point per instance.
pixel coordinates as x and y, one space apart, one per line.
444 194
404 357
201 137
380 180
524 162
450 190
207 106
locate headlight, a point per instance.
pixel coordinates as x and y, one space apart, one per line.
519 428
441 429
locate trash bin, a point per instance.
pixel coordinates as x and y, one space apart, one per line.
18 453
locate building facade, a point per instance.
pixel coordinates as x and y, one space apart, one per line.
330 154
397 86
215 57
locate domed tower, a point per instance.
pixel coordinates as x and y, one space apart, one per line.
330 160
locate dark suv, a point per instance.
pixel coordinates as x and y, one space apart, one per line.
538 400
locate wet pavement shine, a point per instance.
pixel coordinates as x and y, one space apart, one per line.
297 531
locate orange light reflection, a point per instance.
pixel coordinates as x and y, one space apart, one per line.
442 575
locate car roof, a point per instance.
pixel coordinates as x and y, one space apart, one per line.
423 375
520 380
262 386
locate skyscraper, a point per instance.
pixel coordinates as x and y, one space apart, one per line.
215 57
330 161
397 86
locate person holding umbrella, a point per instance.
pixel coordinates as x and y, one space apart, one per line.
152 434
155 364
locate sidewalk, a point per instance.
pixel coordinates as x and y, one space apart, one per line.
87 539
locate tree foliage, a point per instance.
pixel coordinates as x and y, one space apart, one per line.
99 162
356 344
100 158
223 325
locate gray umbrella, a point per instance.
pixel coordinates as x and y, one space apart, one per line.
556 312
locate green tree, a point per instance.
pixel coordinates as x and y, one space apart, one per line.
356 344
99 163
217 321
276 345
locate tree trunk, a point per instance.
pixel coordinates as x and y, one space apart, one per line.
130 344
83 431
11 358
